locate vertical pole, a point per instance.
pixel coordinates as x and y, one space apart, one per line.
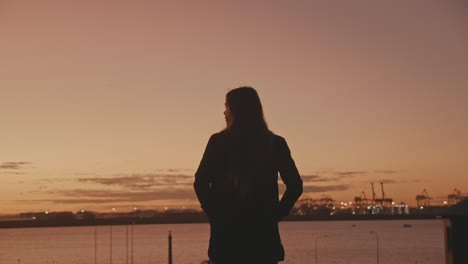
316 251
127 245
131 243
316 257
95 245
378 246
110 244
170 247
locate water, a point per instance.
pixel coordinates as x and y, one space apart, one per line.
337 242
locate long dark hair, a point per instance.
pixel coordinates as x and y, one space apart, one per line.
247 112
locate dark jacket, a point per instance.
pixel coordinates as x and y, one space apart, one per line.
237 186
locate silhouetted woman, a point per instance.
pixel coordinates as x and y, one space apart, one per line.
237 184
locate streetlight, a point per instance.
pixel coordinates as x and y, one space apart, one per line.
316 239
377 237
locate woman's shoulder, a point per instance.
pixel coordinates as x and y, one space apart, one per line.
218 138
225 135
219 135
278 139
280 144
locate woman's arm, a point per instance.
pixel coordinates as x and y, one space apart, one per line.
205 175
291 178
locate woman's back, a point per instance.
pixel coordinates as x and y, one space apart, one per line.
242 200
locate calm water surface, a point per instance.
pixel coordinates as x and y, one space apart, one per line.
336 242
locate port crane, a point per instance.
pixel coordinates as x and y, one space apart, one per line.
309 206
361 200
455 197
373 193
423 199
384 200
324 201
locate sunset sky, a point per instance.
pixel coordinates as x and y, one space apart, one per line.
110 103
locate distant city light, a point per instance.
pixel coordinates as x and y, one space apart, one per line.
445 202
82 211
46 212
113 208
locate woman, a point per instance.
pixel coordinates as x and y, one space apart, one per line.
237 184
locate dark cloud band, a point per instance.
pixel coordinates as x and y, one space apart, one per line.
13 165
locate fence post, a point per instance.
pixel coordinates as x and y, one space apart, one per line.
131 244
170 247
110 237
126 241
95 244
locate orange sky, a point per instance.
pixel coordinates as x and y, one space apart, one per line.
110 103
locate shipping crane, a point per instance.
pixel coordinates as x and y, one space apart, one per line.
373 193
309 206
455 197
383 201
423 199
361 200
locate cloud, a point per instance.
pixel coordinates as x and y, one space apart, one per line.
332 176
179 170
345 174
320 189
82 174
418 180
13 165
352 173
113 196
143 181
314 178
326 188
386 171
174 170
336 176
52 180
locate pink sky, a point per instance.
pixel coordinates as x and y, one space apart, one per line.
110 103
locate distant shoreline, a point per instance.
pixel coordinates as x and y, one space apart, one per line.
190 218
